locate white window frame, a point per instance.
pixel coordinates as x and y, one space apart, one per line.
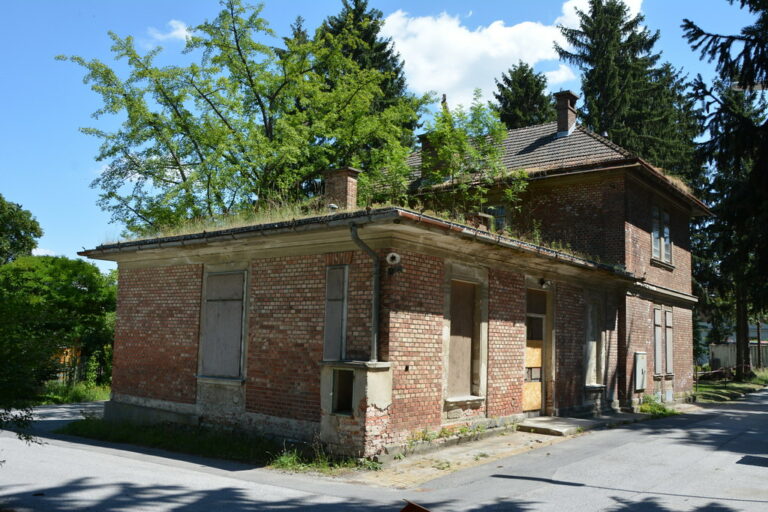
663 341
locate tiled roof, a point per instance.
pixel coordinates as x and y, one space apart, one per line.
537 148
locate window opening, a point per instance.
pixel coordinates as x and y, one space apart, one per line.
223 325
334 348
343 386
464 349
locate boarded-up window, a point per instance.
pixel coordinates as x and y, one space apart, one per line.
594 348
223 325
658 342
335 313
464 350
663 342
535 321
669 340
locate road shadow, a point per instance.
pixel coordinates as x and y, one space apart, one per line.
737 427
77 495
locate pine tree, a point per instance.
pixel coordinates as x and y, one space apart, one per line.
738 151
644 107
614 56
521 99
366 47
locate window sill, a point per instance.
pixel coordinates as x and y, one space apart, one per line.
367 365
467 399
229 381
594 388
662 264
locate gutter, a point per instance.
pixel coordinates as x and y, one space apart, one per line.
376 299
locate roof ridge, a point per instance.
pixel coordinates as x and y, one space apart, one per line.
530 126
605 140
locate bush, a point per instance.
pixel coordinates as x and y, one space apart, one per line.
655 408
57 392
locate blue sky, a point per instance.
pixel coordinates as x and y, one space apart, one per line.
449 46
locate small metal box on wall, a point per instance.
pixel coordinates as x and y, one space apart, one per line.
641 368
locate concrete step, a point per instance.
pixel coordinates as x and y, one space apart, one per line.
563 426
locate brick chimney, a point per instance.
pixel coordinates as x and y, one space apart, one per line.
566 112
341 187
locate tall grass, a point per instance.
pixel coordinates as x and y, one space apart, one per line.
56 392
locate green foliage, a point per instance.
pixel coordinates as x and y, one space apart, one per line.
655 408
249 125
18 231
723 390
521 98
461 159
643 107
57 392
47 304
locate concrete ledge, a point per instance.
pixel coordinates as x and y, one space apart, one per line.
559 426
139 414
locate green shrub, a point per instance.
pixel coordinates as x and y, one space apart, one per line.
57 392
656 409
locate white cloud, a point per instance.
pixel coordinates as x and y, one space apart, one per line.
42 252
562 74
445 56
570 19
442 54
178 30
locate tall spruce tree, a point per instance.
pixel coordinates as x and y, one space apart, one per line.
521 98
614 53
360 27
738 150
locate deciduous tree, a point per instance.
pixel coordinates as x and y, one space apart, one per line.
18 231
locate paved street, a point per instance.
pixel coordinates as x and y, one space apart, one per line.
715 459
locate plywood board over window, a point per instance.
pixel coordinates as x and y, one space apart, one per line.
223 325
535 321
464 346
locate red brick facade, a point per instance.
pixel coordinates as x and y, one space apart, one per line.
506 342
157 332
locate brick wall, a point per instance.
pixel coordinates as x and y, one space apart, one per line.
683 351
586 214
157 332
412 340
640 201
285 334
506 342
569 345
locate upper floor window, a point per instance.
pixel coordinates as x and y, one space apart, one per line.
661 241
499 214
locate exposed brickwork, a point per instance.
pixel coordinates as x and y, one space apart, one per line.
588 215
639 331
285 342
341 188
412 334
638 231
569 345
506 342
683 353
157 332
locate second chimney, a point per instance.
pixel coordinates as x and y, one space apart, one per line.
566 112
341 187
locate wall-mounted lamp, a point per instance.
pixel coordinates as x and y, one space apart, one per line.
544 283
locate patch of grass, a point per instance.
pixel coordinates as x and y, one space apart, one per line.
233 445
723 390
442 465
56 392
655 408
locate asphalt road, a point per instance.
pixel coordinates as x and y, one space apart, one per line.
715 460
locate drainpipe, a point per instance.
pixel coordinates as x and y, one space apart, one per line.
376 292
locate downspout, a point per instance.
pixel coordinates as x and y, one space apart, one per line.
376 292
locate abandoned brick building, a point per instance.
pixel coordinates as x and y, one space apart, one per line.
365 326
